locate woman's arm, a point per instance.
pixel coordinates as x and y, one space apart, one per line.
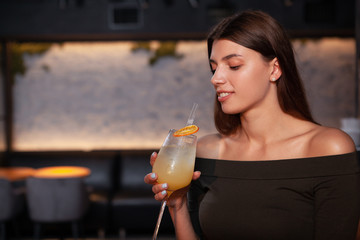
330 141
337 198
337 207
182 222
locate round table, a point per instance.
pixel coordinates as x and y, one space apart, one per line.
16 173
62 172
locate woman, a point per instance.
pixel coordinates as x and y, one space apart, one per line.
271 172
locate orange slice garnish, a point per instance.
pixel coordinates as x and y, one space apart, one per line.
191 129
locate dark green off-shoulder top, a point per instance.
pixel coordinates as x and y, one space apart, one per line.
315 198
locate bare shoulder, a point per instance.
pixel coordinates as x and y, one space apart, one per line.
330 141
208 146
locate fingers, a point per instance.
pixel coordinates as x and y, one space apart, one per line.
152 158
160 191
150 178
196 175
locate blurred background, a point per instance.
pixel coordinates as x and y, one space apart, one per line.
79 77
116 74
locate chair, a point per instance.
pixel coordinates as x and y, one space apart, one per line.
100 183
12 203
56 200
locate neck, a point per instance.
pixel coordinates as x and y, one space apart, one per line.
263 125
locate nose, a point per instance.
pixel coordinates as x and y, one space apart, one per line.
217 78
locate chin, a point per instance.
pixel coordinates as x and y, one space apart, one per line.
230 111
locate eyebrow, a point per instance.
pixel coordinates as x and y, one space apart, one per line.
227 57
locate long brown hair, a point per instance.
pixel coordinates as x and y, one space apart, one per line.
262 33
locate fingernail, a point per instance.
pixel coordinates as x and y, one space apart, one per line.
163 192
164 185
153 154
153 175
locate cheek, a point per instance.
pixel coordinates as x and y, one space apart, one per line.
252 83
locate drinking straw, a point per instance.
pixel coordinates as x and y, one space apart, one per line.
191 118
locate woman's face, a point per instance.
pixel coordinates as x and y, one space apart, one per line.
241 76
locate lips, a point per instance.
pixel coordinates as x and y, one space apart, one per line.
222 96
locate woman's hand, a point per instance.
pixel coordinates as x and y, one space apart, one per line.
177 198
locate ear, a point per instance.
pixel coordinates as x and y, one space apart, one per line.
276 70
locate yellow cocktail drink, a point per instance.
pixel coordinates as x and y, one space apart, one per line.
175 165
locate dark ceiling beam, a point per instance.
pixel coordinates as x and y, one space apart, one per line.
138 20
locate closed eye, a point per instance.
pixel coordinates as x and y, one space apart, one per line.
235 67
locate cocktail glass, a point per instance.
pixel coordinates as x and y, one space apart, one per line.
174 165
